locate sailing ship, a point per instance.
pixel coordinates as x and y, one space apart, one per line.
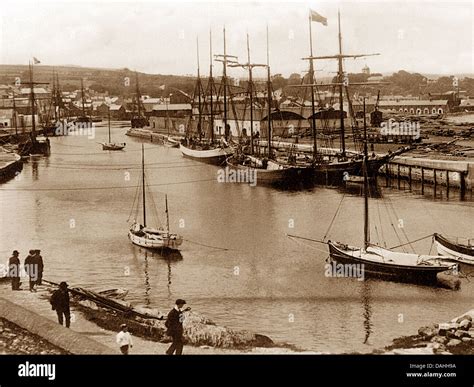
455 250
111 145
55 123
84 118
152 238
139 119
34 145
385 263
270 168
202 149
330 166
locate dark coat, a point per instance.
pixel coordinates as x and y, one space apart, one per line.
39 262
60 300
14 267
174 323
29 262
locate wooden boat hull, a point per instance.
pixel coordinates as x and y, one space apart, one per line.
112 147
454 251
83 120
171 142
155 244
10 166
287 176
418 274
215 156
333 173
40 147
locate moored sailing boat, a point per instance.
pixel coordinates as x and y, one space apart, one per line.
84 118
111 145
330 166
152 238
385 263
56 124
208 150
269 169
35 145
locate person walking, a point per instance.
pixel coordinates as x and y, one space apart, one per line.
174 325
14 270
60 303
31 269
124 339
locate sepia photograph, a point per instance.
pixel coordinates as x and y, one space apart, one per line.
237 178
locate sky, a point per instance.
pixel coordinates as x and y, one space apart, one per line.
160 37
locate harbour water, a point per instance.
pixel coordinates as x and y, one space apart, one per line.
237 266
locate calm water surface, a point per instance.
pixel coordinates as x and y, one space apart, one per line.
75 207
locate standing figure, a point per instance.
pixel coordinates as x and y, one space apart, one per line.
40 266
124 339
31 269
174 323
14 270
60 303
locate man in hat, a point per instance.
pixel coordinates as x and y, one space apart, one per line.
60 303
14 270
31 269
174 323
124 339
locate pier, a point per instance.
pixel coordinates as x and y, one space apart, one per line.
434 172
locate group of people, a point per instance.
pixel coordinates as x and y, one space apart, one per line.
60 302
33 266
174 329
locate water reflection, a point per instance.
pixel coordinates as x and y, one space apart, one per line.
34 169
357 189
147 281
169 256
366 304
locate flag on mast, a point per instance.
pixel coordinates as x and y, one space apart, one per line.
36 60
316 17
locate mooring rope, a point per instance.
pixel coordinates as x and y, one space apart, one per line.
210 246
410 242
334 217
293 237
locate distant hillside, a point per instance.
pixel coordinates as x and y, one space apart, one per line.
115 81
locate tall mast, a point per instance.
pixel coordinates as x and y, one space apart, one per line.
198 87
341 79
58 96
83 98
15 116
167 214
251 95
109 124
55 98
138 96
269 100
143 183
311 74
224 82
33 107
210 87
366 188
